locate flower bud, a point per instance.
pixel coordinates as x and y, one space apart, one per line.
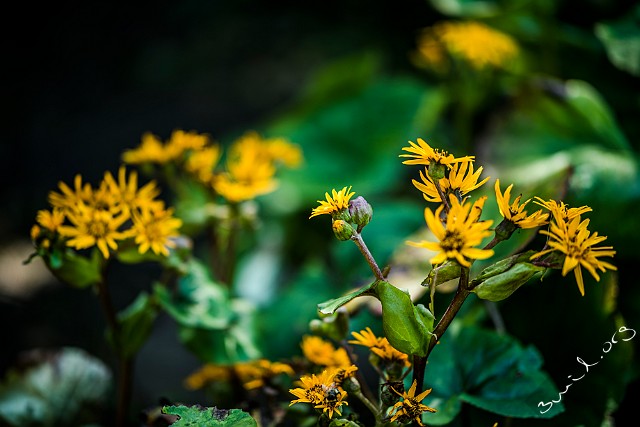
342 229
388 396
505 229
436 171
500 286
360 211
351 385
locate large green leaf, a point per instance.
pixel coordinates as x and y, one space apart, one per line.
407 327
198 300
59 390
75 269
490 371
330 307
136 323
621 39
198 416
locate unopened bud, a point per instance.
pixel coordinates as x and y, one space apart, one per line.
505 229
391 392
342 229
360 211
436 171
501 286
351 385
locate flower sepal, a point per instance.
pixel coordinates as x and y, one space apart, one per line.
342 229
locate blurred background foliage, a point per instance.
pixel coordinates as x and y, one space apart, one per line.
340 79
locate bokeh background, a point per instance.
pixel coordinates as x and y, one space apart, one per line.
86 80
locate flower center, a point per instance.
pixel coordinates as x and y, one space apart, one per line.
98 228
453 241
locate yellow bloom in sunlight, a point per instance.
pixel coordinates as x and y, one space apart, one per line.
150 150
51 220
181 141
572 239
461 180
515 212
320 391
461 233
476 43
366 338
323 353
560 209
154 229
201 163
336 202
411 407
126 192
94 227
423 154
380 346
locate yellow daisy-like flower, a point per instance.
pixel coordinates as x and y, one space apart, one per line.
126 193
515 212
281 150
322 392
461 233
411 406
423 154
255 374
150 150
94 227
572 239
366 337
206 375
68 198
341 374
154 229
461 180
560 209
476 43
323 353
181 141
51 220
336 202
381 347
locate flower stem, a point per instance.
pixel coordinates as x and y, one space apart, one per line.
443 197
357 239
370 405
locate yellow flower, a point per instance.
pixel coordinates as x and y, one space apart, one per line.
411 407
126 193
207 374
94 227
515 212
461 180
459 235
366 337
182 141
561 209
336 202
51 220
155 228
476 43
341 374
35 232
69 198
201 163
320 391
323 353
572 239
254 374
281 150
150 150
423 154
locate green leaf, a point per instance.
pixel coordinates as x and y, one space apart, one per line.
198 416
621 39
502 285
330 307
491 371
466 8
407 327
60 389
75 270
198 301
136 323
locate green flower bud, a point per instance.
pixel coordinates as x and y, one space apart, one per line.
501 286
360 211
436 171
505 229
342 214
351 385
448 271
388 396
342 229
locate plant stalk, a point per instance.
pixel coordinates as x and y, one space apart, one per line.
357 239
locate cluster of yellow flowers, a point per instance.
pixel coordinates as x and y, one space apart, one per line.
252 374
249 170
104 216
381 348
473 42
570 242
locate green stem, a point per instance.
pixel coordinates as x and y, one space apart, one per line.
357 239
371 406
232 240
443 197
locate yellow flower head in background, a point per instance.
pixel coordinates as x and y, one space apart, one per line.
572 239
459 235
411 407
182 141
94 227
560 209
201 163
422 154
323 353
206 375
515 212
51 220
254 374
154 229
69 198
150 150
283 151
381 347
336 202
321 391
126 193
461 180
475 43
